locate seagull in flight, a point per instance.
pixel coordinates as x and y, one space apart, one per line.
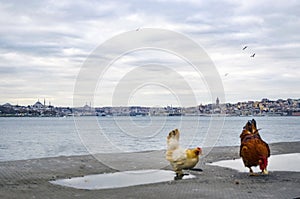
245 47
137 29
252 55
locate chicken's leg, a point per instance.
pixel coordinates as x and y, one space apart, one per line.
251 172
179 174
265 172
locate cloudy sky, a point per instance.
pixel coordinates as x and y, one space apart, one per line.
44 44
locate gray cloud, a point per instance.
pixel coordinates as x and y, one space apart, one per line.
45 42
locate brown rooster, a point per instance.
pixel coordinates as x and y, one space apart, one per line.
178 157
253 150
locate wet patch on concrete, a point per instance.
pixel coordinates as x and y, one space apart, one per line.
119 179
282 162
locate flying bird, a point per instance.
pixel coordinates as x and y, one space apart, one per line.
226 74
252 55
137 29
245 47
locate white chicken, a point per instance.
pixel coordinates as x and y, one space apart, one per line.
178 157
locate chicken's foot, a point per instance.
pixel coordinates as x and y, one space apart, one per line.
265 172
252 173
179 176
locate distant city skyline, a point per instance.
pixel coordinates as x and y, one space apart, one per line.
43 45
44 102
265 107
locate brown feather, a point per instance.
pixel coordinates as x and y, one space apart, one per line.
252 149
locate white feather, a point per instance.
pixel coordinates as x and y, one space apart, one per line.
179 154
173 144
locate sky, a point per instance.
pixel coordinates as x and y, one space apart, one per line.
44 44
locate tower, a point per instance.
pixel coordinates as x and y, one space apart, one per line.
217 102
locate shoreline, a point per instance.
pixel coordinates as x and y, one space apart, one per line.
30 178
136 152
183 115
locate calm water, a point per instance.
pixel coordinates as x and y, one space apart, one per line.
26 138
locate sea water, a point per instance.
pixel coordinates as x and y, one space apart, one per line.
27 138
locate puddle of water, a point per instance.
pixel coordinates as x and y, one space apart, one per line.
283 162
119 179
